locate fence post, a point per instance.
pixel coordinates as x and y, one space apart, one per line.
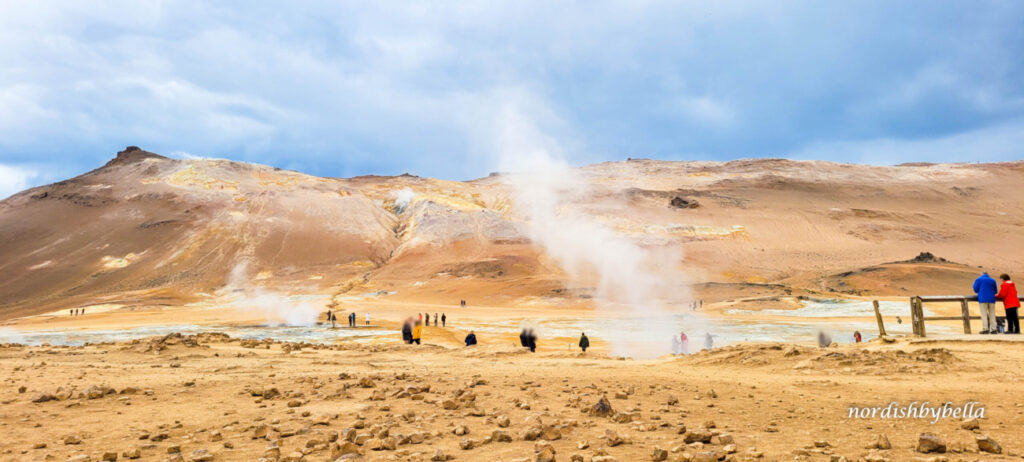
920 315
966 314
878 317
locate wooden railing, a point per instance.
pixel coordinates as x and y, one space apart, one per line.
917 317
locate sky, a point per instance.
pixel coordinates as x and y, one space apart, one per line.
341 88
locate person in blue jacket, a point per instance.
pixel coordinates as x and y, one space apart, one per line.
986 289
471 339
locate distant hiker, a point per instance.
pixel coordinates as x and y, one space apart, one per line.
856 336
444 319
71 312
367 319
899 320
676 345
435 319
83 311
330 318
702 303
528 339
417 333
584 342
471 339
824 340
709 342
463 303
407 331
1008 294
684 344
421 317
986 289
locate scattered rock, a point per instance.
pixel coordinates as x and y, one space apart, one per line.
970 424
602 407
986 444
501 436
928 443
658 454
544 452
881 442
612 438
43 397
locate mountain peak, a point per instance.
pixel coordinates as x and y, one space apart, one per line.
132 154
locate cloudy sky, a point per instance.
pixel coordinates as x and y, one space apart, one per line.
349 88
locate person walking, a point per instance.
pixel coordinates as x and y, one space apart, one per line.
471 339
367 319
709 342
330 318
584 342
444 319
684 344
417 333
986 289
1011 303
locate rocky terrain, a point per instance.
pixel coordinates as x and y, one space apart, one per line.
210 397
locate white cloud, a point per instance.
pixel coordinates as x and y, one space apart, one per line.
15 179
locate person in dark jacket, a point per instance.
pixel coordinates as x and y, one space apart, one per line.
584 342
435 319
407 331
986 289
1008 294
471 339
528 339
444 319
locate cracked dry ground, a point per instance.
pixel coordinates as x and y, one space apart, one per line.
208 397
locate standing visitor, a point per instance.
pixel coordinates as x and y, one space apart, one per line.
584 342
367 319
676 345
417 333
1008 294
856 336
986 289
407 331
709 342
444 319
684 347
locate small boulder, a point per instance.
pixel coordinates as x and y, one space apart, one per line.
929 443
986 444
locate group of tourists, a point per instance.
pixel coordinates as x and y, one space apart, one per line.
988 292
426 322
76 312
331 318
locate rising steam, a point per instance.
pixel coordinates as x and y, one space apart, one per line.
276 308
631 281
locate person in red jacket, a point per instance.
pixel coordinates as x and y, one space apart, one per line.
1008 294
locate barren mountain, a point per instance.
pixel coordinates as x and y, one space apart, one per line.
148 230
